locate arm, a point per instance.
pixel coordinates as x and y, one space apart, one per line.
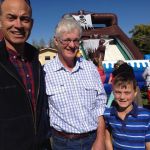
99 143
101 98
144 73
147 138
110 79
147 145
108 140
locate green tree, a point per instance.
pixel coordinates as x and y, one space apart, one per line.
42 43
141 37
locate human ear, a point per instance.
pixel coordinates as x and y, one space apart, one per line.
136 91
55 41
32 21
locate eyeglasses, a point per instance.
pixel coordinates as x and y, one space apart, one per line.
68 41
27 1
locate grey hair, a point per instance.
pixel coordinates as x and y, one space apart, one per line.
67 24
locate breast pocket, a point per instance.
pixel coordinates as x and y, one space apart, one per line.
57 97
8 98
89 93
8 87
7 91
55 90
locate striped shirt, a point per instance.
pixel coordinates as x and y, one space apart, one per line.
76 98
133 132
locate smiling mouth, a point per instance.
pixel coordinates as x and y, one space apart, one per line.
16 33
122 101
72 50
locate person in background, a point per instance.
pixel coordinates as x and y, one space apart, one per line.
75 92
98 63
146 76
122 66
97 57
127 125
116 66
23 103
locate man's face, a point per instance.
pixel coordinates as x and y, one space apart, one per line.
124 95
16 22
68 45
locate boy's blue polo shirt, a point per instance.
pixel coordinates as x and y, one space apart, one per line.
133 132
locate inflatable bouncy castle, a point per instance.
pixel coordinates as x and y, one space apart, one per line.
103 37
104 26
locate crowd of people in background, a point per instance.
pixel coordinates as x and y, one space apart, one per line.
63 105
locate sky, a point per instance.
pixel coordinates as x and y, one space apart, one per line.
47 13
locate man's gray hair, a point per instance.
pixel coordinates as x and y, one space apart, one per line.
67 24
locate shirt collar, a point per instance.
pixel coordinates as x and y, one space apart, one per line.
16 55
133 112
59 66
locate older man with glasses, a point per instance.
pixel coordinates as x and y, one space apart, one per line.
75 93
23 102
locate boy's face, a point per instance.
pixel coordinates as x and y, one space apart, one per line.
124 95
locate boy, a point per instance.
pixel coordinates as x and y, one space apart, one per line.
127 125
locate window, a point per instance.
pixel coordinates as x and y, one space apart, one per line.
47 58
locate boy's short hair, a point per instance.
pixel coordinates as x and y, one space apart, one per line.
124 78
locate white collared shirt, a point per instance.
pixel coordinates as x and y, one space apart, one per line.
77 98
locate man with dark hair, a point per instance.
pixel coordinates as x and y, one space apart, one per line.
23 103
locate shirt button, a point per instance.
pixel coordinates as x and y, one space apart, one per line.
27 75
14 57
29 90
22 59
